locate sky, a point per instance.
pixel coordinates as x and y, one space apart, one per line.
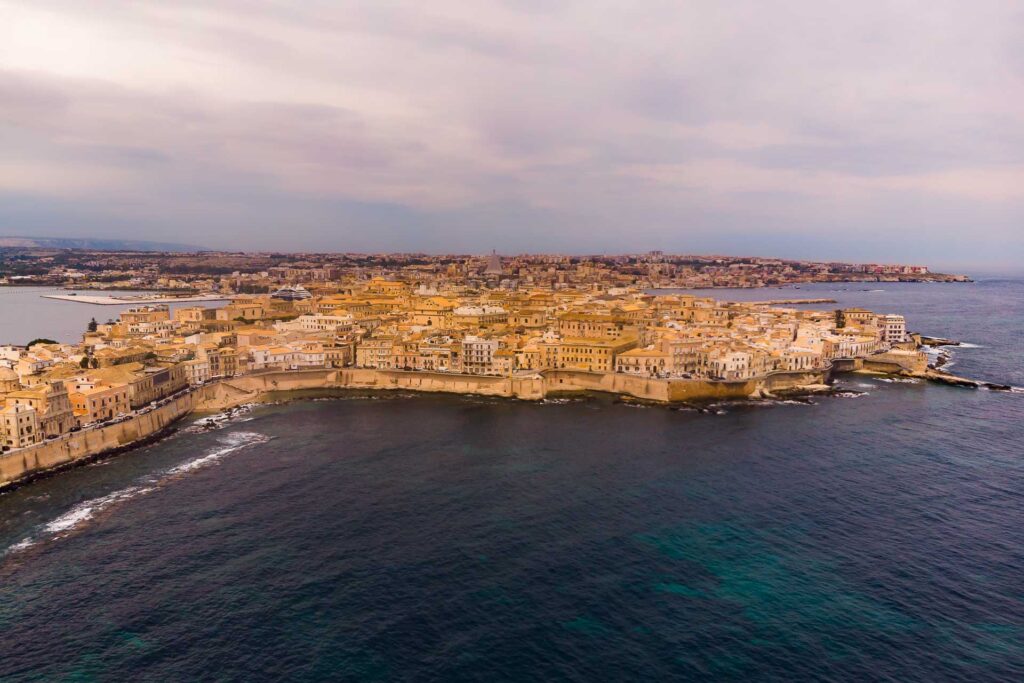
883 131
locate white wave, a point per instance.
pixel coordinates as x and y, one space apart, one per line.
19 546
968 345
81 513
232 442
86 510
899 380
78 515
220 420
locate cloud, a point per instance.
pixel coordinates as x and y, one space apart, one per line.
665 124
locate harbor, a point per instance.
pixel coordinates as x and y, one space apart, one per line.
129 300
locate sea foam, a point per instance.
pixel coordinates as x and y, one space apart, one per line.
83 512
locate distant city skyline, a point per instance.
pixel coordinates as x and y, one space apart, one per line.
876 132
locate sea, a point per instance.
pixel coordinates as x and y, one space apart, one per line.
26 315
875 535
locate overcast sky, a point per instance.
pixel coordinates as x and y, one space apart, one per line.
872 130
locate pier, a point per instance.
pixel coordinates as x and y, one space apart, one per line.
779 302
130 300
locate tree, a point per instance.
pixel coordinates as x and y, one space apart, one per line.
39 340
92 325
84 363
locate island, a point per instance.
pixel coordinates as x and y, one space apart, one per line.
484 327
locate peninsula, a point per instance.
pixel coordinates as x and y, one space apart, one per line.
475 329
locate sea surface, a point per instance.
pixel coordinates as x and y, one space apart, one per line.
25 315
391 537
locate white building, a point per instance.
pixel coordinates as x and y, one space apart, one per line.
337 324
478 355
894 328
197 371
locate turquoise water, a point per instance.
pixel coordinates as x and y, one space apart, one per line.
402 537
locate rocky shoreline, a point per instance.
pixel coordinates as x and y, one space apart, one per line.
214 408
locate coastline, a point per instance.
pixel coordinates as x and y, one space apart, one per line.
943 280
22 466
128 301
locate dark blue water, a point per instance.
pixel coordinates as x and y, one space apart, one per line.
455 538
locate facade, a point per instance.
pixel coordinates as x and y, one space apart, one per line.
19 426
592 355
894 328
100 403
648 362
51 404
478 355
374 353
197 371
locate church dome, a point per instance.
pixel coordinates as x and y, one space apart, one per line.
9 380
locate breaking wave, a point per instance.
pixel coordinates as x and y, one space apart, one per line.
81 513
220 420
232 442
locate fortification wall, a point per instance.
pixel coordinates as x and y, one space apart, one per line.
896 362
789 381
438 382
891 362
695 390
678 390
90 442
251 388
629 385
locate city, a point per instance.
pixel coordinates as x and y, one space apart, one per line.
511 340
250 273
485 317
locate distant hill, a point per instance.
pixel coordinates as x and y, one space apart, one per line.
89 243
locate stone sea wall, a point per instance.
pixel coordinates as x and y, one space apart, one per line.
256 387
69 448
532 387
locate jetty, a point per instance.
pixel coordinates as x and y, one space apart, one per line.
938 341
779 302
131 300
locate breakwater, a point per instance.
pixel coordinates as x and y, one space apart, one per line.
101 300
779 302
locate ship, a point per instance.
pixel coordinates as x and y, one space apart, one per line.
291 293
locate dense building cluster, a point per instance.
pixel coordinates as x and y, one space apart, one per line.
255 273
425 322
